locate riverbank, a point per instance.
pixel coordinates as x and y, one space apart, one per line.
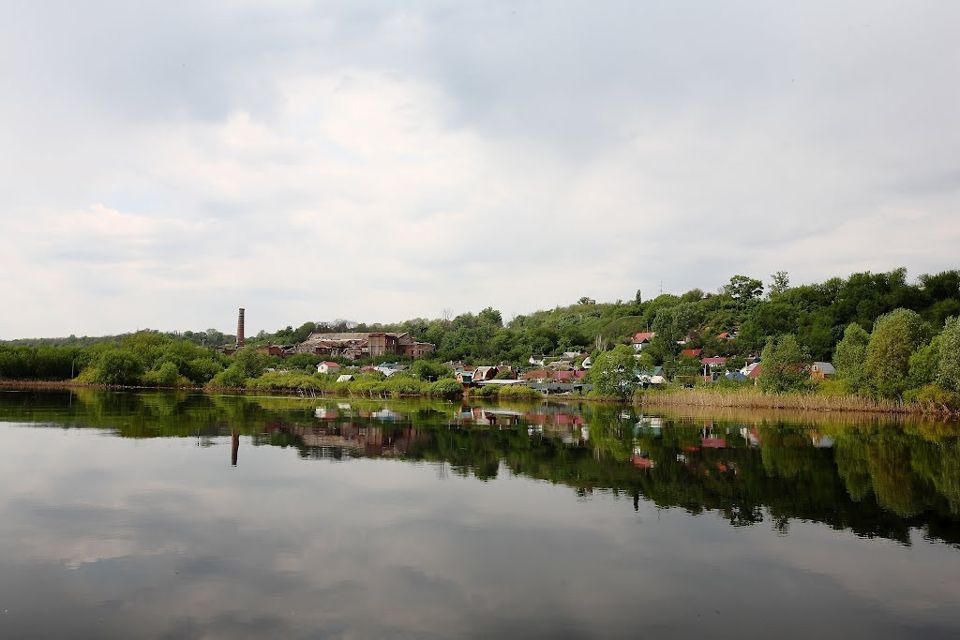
749 398
447 389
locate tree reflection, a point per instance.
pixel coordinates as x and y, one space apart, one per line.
876 478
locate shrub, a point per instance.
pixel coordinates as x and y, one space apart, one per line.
166 375
430 370
117 367
231 377
446 388
202 370
934 398
286 380
486 391
519 392
404 385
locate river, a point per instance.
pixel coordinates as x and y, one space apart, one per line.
163 515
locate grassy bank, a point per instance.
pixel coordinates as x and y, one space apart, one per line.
750 398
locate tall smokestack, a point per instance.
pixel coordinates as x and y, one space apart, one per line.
240 339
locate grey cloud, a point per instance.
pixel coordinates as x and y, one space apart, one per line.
643 140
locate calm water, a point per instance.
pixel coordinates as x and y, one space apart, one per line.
191 516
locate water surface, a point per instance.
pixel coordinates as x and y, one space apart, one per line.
195 516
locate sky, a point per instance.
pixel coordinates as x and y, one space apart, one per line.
163 163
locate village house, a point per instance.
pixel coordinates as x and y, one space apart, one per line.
328 367
712 366
642 339
537 375
822 370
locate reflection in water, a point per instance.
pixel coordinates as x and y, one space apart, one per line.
808 479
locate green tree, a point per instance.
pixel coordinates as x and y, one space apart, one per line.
249 362
896 335
786 365
948 367
166 375
924 363
118 367
744 288
779 283
613 372
430 370
851 355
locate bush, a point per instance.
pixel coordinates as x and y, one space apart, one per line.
519 392
833 387
166 375
934 398
232 377
286 381
367 385
486 391
404 385
430 370
446 388
202 370
117 367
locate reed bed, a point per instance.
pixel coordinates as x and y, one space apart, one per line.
753 399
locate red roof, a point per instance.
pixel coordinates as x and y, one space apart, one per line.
755 372
643 336
713 443
579 374
536 374
563 376
715 360
331 364
691 353
723 336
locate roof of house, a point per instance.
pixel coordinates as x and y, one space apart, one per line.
825 367
723 336
643 336
331 364
755 371
563 376
714 360
535 374
691 353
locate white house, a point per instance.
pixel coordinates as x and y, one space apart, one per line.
642 339
328 367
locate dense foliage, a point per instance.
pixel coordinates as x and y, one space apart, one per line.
816 314
886 336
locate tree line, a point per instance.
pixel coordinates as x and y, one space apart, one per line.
901 328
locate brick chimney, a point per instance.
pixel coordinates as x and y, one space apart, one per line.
240 337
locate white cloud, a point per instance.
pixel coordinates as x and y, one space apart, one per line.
377 164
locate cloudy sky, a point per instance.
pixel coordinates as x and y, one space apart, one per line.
162 163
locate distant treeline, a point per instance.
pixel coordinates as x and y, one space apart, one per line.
910 349
817 315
